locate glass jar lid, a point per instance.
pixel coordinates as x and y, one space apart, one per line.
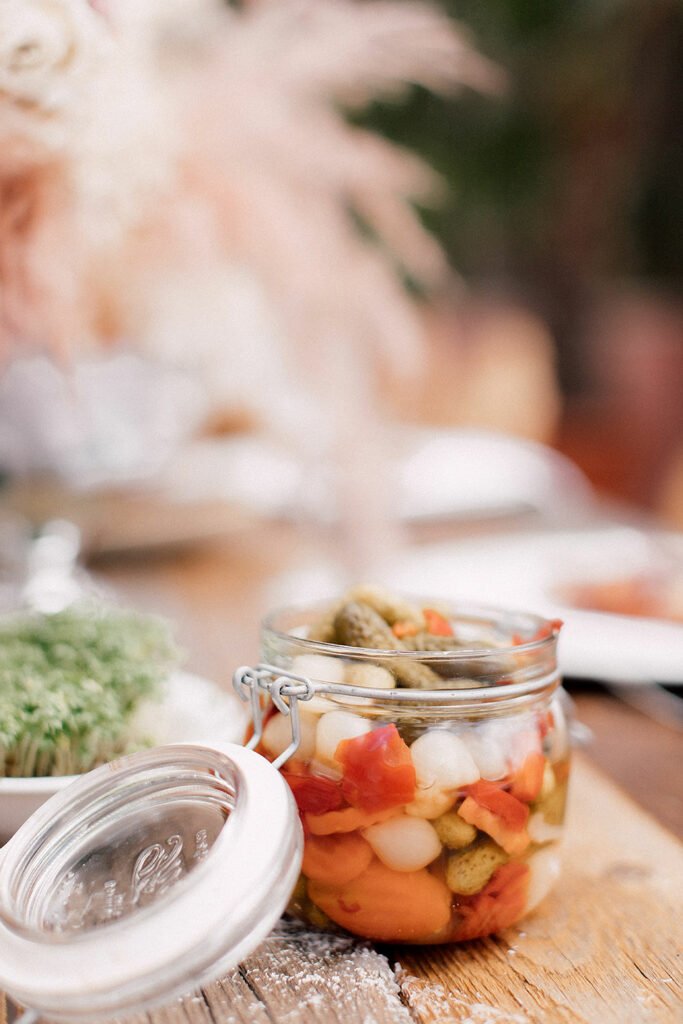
145 879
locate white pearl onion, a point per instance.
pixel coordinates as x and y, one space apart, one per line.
373 677
319 666
544 869
277 735
430 803
443 760
334 727
404 844
488 749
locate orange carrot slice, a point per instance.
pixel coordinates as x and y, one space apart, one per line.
348 820
336 859
390 906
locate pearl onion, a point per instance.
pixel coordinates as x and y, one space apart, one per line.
488 748
523 742
372 676
334 727
404 844
443 760
430 803
544 869
277 735
319 667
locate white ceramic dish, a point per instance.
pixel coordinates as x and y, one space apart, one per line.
193 710
528 571
434 473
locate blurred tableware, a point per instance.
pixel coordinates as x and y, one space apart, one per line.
130 520
473 474
51 584
436 474
653 700
534 569
110 419
192 710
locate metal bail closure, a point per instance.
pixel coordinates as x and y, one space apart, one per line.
144 879
285 689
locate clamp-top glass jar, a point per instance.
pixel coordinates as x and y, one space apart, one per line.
430 770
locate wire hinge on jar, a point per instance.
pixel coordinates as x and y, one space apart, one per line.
285 689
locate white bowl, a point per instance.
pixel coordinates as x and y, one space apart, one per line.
192 710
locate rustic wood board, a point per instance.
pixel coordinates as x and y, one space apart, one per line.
606 948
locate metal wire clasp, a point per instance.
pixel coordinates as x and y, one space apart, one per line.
285 689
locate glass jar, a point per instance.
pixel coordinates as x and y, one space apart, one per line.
144 879
429 815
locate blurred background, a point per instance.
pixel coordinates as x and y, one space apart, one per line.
265 260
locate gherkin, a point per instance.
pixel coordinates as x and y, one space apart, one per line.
429 642
415 675
469 870
391 607
358 625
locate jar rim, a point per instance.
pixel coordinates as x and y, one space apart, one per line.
489 613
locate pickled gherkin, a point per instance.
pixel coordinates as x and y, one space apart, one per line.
429 642
468 871
358 625
453 831
391 607
415 675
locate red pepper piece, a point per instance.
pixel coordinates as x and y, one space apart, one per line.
528 779
436 623
545 724
314 794
378 770
500 904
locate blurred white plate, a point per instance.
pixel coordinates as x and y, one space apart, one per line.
193 710
471 473
529 570
434 473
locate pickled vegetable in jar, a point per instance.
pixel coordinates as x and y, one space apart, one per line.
431 767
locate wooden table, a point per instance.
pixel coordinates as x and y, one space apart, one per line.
605 948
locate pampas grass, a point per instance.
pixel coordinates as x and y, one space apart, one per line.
139 142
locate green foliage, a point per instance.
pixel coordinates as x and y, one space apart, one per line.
579 152
70 683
